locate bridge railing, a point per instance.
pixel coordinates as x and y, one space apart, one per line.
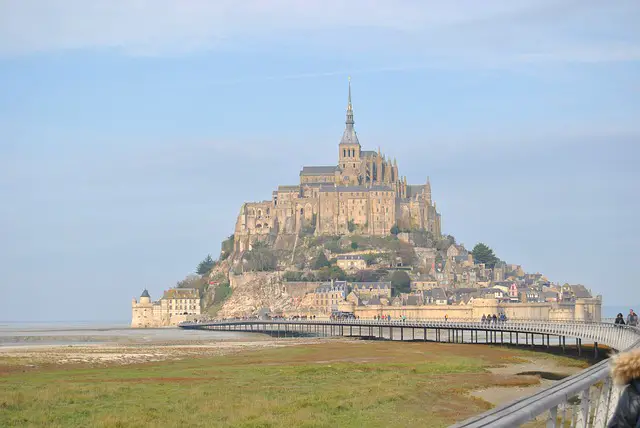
586 399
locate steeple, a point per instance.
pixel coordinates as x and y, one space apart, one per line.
349 136
349 107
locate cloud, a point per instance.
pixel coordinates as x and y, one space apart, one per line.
526 30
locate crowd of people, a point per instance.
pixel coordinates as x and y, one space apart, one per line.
493 319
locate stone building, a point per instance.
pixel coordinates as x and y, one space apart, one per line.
329 295
350 262
175 306
363 193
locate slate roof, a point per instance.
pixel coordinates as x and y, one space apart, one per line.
437 294
331 189
374 301
375 285
319 170
289 188
414 190
145 293
182 293
580 291
327 287
413 301
368 153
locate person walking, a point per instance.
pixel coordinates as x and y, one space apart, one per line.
626 371
484 318
619 319
632 318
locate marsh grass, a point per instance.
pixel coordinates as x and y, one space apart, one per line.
376 384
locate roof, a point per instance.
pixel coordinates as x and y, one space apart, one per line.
413 300
328 287
182 293
374 301
414 190
350 257
289 188
368 153
145 293
437 294
319 170
374 285
580 291
331 189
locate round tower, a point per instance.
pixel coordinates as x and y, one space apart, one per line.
145 298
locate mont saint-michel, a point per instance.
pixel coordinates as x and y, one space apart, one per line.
353 237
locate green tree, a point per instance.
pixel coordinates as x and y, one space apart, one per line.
293 276
320 261
369 275
193 281
227 247
331 272
205 266
400 281
354 245
484 254
395 230
260 258
351 226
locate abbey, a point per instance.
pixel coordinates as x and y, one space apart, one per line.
363 193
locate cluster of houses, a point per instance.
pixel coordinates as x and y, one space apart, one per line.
445 278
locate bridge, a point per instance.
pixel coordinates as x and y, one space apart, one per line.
586 399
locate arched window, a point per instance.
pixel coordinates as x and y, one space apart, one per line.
344 153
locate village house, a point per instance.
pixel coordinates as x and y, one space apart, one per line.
329 295
351 263
367 290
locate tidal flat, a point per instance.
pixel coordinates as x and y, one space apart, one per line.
263 383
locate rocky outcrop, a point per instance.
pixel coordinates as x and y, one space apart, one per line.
256 290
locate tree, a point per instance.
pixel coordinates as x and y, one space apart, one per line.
205 266
354 245
320 261
193 281
369 275
351 226
331 272
260 258
395 230
483 254
227 247
400 281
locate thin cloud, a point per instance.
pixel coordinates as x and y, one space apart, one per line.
492 31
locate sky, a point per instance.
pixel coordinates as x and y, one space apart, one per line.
132 131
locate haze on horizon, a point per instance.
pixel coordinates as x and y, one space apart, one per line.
131 132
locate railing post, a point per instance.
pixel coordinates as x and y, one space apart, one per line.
553 417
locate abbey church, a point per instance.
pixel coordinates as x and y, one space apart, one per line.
363 193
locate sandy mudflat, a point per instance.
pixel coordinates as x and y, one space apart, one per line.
135 353
502 395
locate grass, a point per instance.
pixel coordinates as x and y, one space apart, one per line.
372 384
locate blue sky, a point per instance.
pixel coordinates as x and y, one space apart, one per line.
131 133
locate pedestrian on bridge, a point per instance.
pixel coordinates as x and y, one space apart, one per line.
619 319
632 318
626 371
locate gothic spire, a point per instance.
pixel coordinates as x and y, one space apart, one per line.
349 136
349 107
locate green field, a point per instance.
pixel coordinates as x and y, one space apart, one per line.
368 384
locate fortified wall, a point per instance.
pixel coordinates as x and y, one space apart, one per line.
581 310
